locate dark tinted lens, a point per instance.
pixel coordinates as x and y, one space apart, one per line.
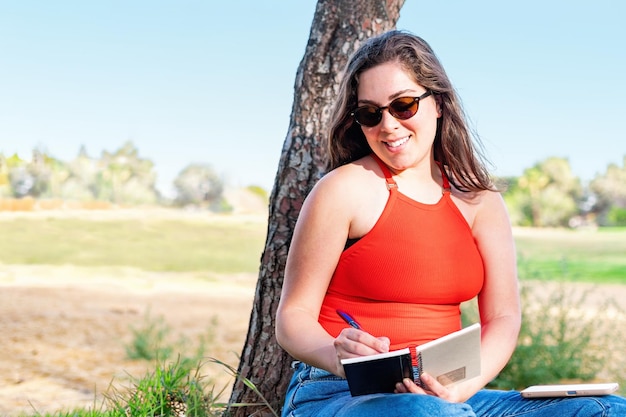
404 107
367 115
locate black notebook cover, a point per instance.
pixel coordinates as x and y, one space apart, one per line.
450 359
377 373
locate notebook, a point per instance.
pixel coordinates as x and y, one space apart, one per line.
450 359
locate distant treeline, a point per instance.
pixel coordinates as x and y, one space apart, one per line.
121 178
545 195
549 195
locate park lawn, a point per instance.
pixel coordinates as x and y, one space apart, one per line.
151 244
597 256
231 244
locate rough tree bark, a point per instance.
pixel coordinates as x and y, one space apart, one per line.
338 27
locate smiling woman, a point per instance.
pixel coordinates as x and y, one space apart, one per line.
404 228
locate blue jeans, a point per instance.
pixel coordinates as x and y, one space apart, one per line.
313 392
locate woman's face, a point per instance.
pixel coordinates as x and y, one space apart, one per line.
401 144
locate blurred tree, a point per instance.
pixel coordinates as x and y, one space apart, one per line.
548 193
22 182
534 182
5 182
338 27
609 191
80 185
33 178
125 178
517 201
199 185
56 175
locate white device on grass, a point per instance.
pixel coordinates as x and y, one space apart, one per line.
570 390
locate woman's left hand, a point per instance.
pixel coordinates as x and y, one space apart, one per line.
431 387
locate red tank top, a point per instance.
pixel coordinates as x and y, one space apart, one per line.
405 279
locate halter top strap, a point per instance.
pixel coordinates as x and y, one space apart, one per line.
391 183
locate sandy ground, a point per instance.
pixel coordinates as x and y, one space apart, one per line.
65 329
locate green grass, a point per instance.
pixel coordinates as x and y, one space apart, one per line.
569 255
235 246
169 245
173 389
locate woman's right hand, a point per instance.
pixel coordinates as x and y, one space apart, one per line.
353 343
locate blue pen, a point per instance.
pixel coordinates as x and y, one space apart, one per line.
348 319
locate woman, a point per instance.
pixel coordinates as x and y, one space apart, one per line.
405 227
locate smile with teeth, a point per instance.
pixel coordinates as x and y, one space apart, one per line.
398 142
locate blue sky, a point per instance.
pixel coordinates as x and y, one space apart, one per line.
537 79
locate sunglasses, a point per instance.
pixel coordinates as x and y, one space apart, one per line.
401 108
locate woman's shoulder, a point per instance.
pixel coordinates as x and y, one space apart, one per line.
473 203
363 171
350 183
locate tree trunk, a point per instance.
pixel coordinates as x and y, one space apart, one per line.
339 26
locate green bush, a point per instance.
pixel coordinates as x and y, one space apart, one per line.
171 390
149 341
617 216
560 340
258 190
153 341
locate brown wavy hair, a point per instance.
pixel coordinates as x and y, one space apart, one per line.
455 146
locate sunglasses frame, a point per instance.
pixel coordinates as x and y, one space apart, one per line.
379 110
